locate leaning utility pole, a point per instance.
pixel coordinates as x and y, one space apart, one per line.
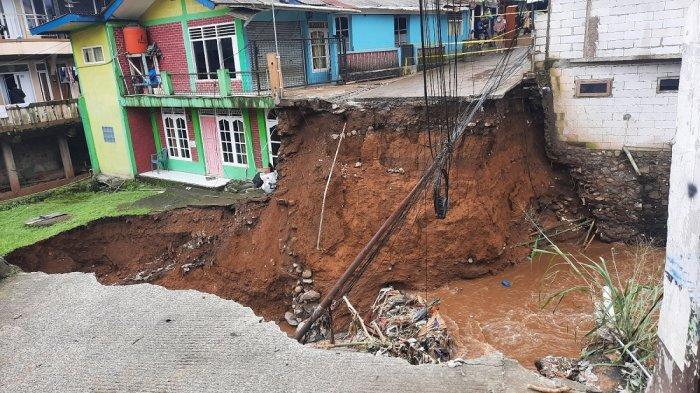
678 355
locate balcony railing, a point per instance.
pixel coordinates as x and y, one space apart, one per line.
16 26
38 115
220 84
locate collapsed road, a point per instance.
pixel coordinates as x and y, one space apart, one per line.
260 253
69 333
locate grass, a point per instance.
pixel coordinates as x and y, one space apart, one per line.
626 309
81 203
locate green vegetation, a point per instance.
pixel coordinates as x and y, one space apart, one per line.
82 203
626 310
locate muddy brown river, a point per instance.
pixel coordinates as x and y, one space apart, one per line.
484 315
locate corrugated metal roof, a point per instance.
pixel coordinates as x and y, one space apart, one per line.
336 5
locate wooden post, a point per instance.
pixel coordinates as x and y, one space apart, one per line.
65 157
273 70
10 165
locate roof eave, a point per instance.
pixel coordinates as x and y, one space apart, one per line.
66 23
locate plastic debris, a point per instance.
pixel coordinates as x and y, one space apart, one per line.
401 325
506 283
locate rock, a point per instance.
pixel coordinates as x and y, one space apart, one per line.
6 270
306 274
298 269
307 281
400 171
291 319
370 129
298 289
353 132
309 308
310 296
358 164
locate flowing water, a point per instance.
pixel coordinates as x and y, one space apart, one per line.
484 314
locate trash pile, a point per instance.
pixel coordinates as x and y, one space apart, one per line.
402 325
572 369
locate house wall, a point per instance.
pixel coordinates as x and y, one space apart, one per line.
635 115
605 29
99 86
372 32
634 43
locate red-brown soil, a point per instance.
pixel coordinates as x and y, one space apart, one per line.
500 171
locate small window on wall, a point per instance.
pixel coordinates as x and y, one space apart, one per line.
342 29
668 85
594 88
108 134
400 30
93 55
454 24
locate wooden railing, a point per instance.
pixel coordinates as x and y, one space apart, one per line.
38 115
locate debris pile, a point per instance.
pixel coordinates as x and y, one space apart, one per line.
402 325
571 369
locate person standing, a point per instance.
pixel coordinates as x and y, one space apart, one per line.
499 29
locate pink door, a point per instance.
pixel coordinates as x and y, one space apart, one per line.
212 147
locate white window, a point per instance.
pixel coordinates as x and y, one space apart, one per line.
454 24
273 137
176 136
593 88
400 30
232 137
318 32
214 47
93 55
342 30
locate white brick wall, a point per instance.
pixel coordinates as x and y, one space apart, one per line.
600 120
626 28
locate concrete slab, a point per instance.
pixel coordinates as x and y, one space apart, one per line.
68 333
472 75
187 178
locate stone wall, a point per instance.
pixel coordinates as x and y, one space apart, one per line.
624 204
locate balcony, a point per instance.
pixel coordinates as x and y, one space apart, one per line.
17 26
17 39
39 115
203 90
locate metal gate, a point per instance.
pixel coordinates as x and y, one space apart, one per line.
304 61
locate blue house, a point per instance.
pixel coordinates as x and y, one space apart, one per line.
356 40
